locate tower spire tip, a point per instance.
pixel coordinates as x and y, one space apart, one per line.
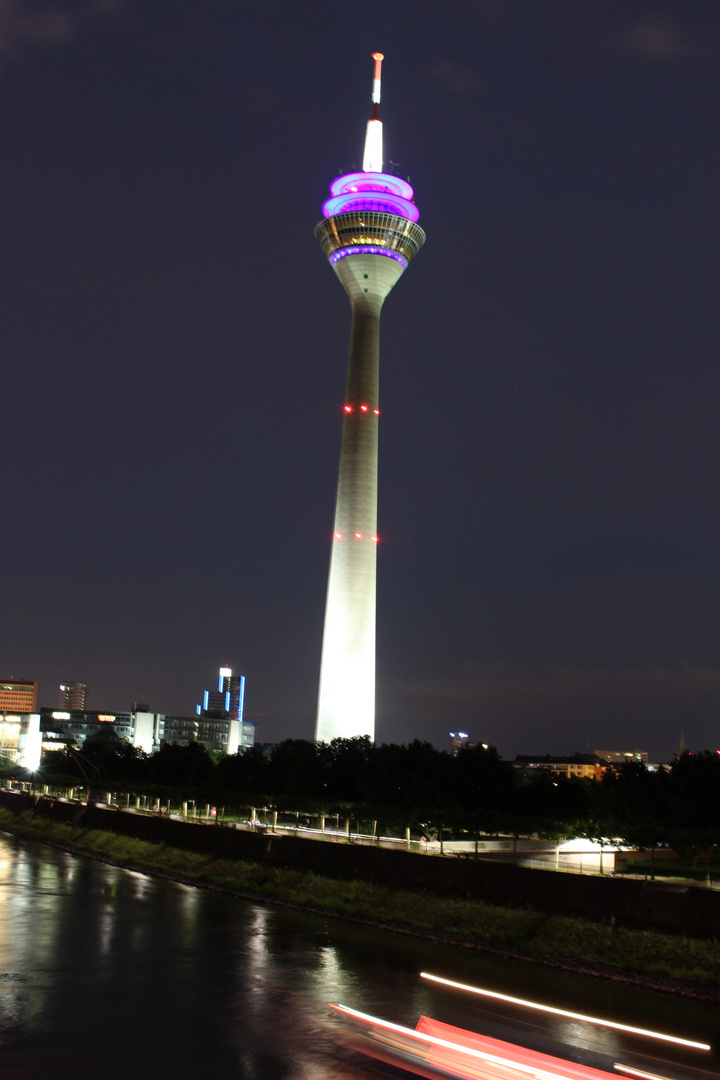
378 58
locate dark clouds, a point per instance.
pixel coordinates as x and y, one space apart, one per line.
29 26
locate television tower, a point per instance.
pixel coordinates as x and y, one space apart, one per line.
369 233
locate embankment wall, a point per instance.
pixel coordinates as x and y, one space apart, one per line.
630 902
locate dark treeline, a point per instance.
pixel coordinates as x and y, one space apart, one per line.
425 788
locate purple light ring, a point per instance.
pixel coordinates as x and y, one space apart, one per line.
368 249
369 181
370 202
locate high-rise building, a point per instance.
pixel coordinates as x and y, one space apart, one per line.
18 695
227 701
73 695
369 233
219 718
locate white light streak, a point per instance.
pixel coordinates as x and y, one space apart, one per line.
564 1012
638 1072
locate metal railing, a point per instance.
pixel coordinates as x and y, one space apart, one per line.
388 231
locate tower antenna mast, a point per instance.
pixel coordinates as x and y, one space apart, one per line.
373 156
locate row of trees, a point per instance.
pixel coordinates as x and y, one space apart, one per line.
473 790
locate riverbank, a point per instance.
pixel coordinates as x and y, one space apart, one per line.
665 962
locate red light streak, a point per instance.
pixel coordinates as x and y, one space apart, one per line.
462 1054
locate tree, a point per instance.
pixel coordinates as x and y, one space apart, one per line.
181 766
633 805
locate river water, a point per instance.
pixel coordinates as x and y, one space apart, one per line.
109 973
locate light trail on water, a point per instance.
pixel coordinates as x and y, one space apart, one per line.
627 1028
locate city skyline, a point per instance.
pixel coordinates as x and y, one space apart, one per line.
548 572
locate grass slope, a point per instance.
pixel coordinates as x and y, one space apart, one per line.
665 961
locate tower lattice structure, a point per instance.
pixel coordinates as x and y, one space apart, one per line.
370 234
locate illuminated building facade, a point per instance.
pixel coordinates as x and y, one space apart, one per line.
20 739
220 717
72 727
620 757
578 765
144 729
460 741
369 234
73 695
18 695
217 725
229 698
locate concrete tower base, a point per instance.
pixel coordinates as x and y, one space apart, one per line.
346 704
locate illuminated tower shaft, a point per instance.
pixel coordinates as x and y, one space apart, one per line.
346 705
369 235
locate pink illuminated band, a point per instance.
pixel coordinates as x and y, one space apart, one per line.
369 181
371 191
368 202
368 249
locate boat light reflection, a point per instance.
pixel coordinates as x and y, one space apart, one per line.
462 1054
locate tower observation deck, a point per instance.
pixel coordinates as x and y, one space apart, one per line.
369 234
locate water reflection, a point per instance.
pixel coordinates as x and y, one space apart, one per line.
152 979
598 1040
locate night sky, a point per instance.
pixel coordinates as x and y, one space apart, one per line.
174 350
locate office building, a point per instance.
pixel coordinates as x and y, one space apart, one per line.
144 729
227 700
219 721
18 695
73 695
63 727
